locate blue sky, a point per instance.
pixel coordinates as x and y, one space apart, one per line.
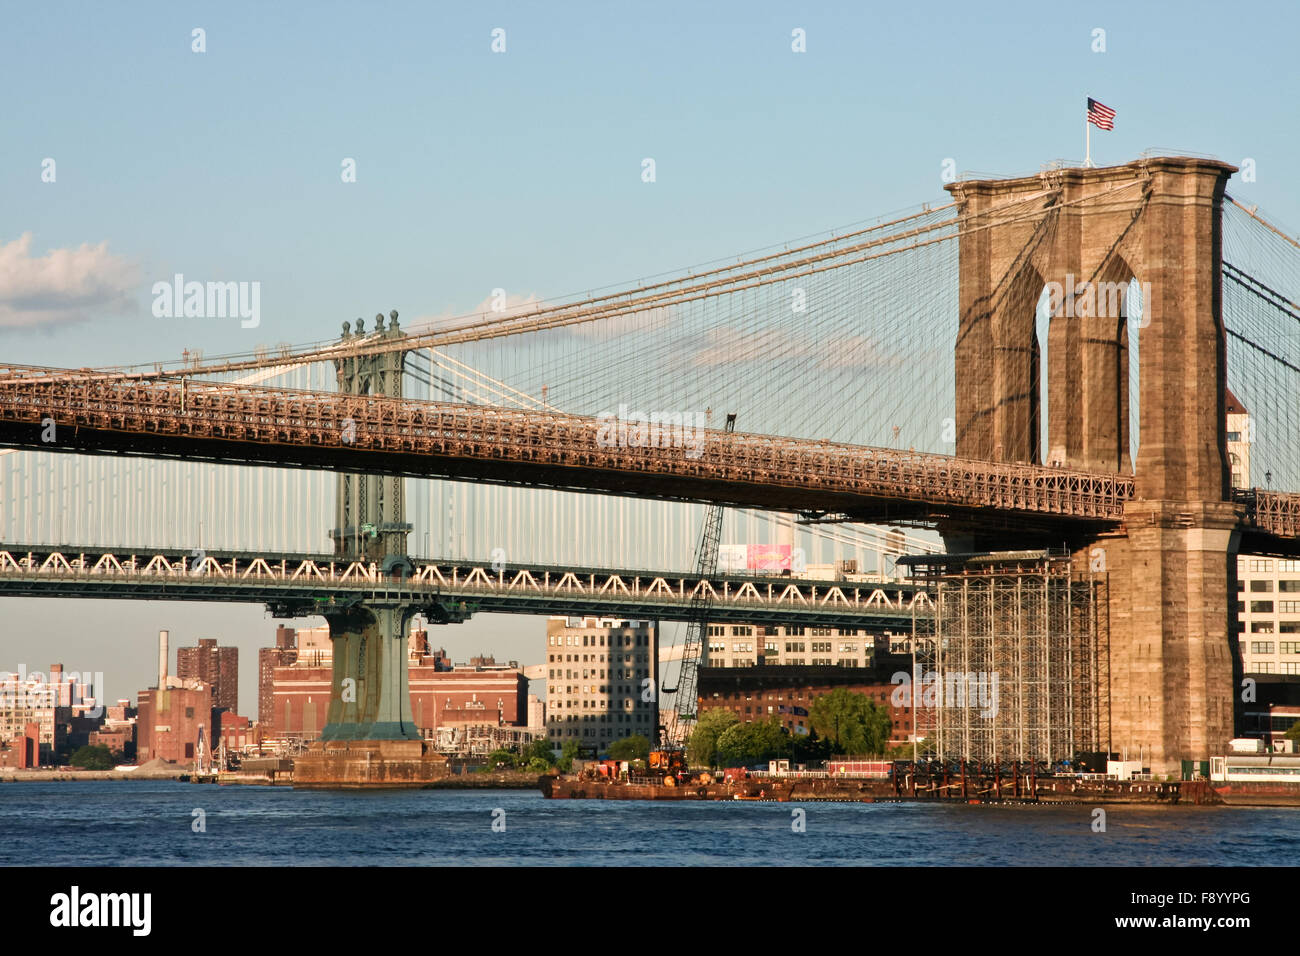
522 170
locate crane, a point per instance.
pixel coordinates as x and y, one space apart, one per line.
670 757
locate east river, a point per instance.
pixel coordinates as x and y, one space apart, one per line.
142 823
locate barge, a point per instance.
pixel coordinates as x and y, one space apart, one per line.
904 782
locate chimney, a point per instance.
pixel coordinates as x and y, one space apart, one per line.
162 660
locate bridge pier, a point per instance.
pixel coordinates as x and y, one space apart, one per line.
1171 597
371 696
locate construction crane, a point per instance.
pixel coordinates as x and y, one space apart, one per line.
671 757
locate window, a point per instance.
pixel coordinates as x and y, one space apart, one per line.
1289 667
1261 647
848 648
1288 607
1289 647
794 647
1261 585
1261 564
189 712
1261 607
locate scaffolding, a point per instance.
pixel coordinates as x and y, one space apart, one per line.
1011 667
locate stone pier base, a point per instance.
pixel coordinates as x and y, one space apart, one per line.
368 764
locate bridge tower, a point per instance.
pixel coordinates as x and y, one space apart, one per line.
371 509
370 737
1170 568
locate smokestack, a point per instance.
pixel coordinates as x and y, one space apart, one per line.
162 660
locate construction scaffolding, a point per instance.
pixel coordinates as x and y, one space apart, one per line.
1012 666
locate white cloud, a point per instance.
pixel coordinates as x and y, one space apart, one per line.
63 286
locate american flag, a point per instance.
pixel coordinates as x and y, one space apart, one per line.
1102 117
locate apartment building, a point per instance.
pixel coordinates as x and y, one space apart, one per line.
602 680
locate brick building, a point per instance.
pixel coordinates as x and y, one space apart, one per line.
787 692
168 721
481 693
284 653
216 666
22 751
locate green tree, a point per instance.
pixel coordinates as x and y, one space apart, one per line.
92 758
744 744
539 764
702 747
851 722
634 747
1294 732
567 754
500 759
805 748
539 749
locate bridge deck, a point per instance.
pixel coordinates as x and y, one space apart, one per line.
295 584
242 424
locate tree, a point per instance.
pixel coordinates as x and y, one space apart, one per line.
805 748
702 748
567 754
501 759
92 758
539 749
1294 732
538 764
852 722
634 747
745 744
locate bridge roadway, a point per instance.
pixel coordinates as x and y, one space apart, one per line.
282 427
303 584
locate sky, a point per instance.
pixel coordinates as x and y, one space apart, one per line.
522 170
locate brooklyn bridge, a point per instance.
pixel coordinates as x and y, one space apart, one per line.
952 370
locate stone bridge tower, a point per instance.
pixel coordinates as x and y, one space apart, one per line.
1170 568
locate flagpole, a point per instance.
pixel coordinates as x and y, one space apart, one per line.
1087 142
